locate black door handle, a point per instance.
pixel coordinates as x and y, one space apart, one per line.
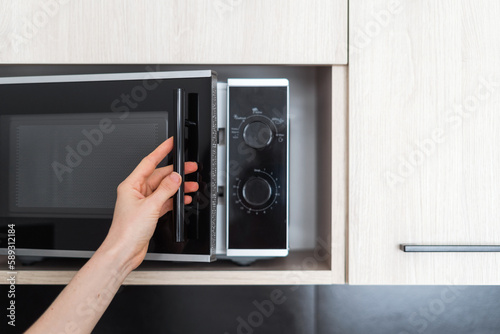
179 159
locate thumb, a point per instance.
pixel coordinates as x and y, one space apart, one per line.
166 189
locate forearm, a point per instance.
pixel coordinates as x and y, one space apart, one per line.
142 198
83 301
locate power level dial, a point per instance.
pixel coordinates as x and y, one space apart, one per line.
257 134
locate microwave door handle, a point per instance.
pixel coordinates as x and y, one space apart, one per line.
179 159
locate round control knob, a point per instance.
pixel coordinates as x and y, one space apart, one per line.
257 191
257 134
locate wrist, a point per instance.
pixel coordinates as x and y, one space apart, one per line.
116 257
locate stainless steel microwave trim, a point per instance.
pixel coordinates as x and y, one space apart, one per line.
107 77
449 248
257 252
287 164
236 82
221 245
180 257
213 177
87 254
227 165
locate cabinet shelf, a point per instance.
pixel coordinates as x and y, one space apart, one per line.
300 267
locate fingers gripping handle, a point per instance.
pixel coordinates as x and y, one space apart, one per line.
179 135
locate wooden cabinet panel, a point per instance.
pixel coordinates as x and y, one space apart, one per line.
174 31
424 136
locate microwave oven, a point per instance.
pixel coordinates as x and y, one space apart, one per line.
67 141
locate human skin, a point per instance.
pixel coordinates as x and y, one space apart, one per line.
142 198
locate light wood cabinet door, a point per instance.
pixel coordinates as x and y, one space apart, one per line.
174 31
424 140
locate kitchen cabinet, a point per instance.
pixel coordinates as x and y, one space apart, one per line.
194 32
423 93
424 140
174 31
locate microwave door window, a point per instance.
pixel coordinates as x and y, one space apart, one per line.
70 165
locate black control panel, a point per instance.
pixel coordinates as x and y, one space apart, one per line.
257 182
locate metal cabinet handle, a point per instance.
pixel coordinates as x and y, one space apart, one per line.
449 248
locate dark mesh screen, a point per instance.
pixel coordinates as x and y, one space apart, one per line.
65 163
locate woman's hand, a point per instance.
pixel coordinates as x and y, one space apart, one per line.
143 197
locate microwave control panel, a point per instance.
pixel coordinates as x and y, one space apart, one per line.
257 166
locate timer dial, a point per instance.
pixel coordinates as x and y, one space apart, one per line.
257 191
257 134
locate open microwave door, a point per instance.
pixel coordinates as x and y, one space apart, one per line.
66 142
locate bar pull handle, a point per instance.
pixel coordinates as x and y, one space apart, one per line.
449 248
179 159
